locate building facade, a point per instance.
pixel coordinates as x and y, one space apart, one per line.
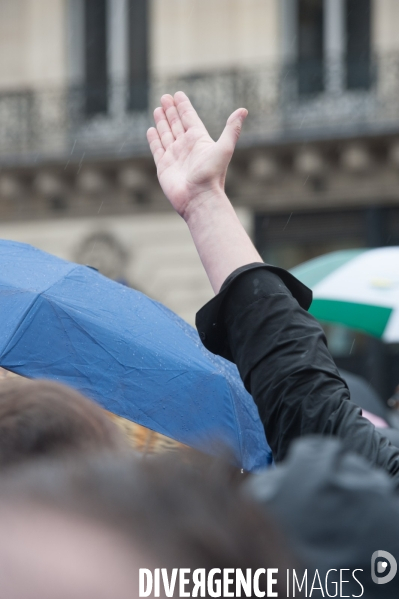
316 169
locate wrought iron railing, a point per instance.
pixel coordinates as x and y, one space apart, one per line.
284 102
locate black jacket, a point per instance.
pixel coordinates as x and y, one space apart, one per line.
336 495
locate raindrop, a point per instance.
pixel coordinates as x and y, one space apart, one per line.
289 218
81 161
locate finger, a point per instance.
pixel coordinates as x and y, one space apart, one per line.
174 120
156 146
187 113
165 133
232 131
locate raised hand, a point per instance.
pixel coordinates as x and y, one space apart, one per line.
191 166
192 171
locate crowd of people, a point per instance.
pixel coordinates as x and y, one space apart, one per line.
81 513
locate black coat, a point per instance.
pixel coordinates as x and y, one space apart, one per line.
334 495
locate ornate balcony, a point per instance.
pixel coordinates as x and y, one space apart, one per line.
286 103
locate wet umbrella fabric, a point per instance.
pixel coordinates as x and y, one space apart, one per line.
136 358
356 288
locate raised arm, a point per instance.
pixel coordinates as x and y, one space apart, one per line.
192 171
255 321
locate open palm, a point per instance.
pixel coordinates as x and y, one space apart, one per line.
189 163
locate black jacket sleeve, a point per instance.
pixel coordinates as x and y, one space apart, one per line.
259 321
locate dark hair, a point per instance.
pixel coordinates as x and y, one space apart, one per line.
44 418
183 514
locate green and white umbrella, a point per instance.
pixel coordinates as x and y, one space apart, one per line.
356 288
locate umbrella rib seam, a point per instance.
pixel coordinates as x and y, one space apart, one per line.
28 310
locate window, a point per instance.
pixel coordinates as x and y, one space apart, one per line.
310 46
358 72
115 55
96 92
138 55
333 44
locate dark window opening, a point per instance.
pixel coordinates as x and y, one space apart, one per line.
358 44
96 84
310 47
138 55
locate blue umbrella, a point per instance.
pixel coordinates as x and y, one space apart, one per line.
136 358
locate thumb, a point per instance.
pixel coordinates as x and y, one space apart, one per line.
227 141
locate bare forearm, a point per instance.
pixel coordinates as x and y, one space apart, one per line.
221 241
191 169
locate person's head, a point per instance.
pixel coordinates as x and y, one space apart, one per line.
158 513
43 418
46 553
